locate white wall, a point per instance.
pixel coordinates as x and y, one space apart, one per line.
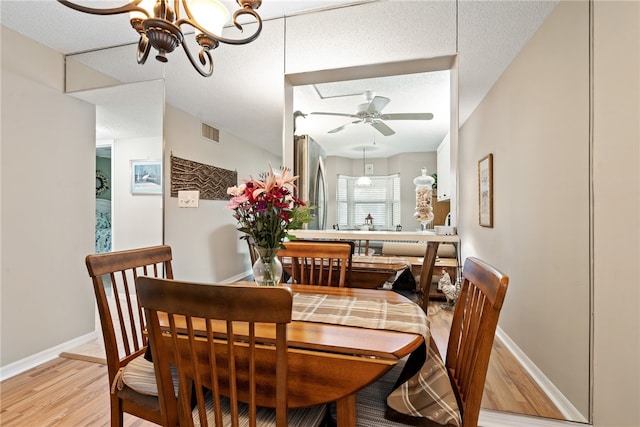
540 238
616 177
205 241
47 199
137 218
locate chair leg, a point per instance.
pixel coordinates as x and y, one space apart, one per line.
117 417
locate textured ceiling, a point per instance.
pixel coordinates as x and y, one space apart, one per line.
411 93
245 95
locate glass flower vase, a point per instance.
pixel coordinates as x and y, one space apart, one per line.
267 270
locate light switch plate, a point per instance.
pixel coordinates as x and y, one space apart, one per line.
368 169
188 199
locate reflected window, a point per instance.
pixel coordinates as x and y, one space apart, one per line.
381 202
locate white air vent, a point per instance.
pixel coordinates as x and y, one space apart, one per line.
210 133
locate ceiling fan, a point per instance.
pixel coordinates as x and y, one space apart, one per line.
370 112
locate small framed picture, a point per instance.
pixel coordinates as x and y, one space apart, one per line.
485 191
146 177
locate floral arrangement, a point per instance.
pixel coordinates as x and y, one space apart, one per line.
267 209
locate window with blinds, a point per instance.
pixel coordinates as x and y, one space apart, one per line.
381 200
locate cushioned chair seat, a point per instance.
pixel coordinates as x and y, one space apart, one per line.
140 376
302 417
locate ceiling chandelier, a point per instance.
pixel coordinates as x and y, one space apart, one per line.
364 180
160 26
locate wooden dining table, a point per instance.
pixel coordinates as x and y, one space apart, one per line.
373 272
343 339
368 272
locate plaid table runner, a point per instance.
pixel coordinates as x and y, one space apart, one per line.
362 312
426 398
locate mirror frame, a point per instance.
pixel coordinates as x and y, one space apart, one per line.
424 65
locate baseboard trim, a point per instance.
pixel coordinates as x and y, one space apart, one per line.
23 365
562 403
84 358
489 418
237 277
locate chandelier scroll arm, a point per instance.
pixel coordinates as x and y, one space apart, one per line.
129 7
246 10
144 47
205 58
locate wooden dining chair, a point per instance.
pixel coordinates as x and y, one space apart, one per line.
420 294
473 327
131 377
318 262
234 376
426 274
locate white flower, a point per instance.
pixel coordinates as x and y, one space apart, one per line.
236 190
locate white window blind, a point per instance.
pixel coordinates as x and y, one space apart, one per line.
382 201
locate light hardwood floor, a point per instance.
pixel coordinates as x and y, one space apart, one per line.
508 387
68 392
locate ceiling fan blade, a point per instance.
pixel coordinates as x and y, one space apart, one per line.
407 116
333 114
377 104
338 129
382 128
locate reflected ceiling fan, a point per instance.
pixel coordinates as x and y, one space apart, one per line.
371 112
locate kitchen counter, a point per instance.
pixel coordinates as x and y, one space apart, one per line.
410 236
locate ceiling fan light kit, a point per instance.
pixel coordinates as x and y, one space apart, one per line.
160 26
364 180
370 112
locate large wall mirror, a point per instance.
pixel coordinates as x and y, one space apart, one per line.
378 125
358 39
128 148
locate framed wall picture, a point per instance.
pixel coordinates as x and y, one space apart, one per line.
146 177
485 191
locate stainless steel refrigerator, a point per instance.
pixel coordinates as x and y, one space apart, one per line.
309 158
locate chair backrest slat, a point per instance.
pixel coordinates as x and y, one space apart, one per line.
225 356
318 262
472 333
113 275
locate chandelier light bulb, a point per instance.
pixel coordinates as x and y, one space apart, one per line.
210 14
146 5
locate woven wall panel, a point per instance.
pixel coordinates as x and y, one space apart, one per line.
212 182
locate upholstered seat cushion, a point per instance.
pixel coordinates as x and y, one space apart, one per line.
140 376
302 417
